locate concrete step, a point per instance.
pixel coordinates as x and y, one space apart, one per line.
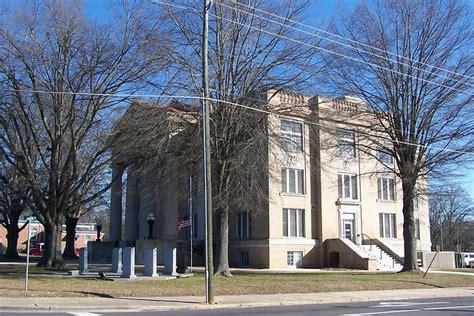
385 262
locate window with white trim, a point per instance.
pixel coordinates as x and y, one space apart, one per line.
388 225
243 225
383 156
345 143
292 136
386 188
293 222
292 181
294 258
347 186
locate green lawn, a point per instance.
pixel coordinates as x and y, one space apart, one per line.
52 284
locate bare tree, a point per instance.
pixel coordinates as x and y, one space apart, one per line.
412 63
14 201
247 55
78 209
60 69
450 212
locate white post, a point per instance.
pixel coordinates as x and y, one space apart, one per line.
191 219
128 270
150 262
27 254
117 260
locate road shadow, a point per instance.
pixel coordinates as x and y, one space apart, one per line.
96 294
426 283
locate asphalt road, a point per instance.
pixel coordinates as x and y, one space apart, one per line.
447 306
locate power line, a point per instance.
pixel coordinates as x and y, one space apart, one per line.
345 45
318 47
342 55
349 40
117 95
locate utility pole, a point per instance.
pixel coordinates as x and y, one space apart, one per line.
207 158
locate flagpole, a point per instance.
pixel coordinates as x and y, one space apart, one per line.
191 218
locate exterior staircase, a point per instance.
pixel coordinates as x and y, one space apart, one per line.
385 262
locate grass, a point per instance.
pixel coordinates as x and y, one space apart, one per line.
42 284
468 270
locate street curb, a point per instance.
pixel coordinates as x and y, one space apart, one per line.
290 300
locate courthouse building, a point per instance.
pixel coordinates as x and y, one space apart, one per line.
329 203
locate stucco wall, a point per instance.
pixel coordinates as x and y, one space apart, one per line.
443 261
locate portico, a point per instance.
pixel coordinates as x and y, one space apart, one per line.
148 183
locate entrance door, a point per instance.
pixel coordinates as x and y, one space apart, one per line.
348 226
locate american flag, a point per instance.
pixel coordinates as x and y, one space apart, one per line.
184 222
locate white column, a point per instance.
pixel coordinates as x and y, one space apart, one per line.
132 204
116 204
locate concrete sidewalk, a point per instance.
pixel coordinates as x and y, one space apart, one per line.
197 302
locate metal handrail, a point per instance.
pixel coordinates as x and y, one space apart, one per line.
371 240
381 246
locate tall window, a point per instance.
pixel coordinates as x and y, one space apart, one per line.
292 136
384 156
345 143
388 225
243 225
386 189
293 222
292 181
347 186
244 258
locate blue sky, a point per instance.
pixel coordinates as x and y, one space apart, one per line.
319 12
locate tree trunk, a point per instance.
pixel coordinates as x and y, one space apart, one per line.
70 249
223 244
409 235
52 246
12 239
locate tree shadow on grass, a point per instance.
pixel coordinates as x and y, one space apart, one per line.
148 299
426 283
